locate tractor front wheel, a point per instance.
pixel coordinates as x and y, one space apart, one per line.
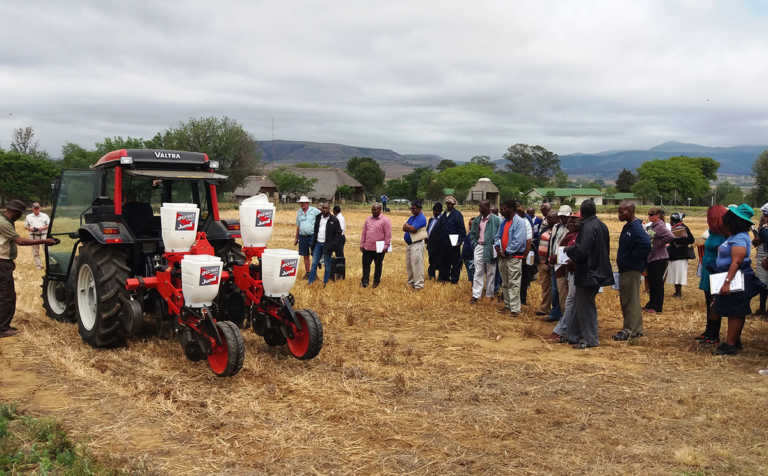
226 359
58 303
308 341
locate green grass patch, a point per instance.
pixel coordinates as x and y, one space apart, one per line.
31 445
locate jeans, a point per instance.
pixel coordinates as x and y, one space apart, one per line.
556 312
561 328
320 250
378 259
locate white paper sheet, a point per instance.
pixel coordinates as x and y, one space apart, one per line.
454 239
717 280
379 246
562 258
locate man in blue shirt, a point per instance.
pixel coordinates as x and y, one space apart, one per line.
415 234
634 246
305 228
510 245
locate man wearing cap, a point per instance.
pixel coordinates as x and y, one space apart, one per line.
450 223
37 225
305 228
415 233
559 279
9 239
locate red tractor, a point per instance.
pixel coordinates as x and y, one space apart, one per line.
110 269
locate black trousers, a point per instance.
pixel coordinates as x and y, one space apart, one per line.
656 270
525 282
340 249
713 326
450 264
378 259
7 294
434 261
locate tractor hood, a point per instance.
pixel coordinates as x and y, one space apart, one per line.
177 174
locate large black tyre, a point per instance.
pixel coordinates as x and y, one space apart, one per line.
226 360
58 301
307 343
100 293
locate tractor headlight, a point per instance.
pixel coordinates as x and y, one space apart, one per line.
126 160
213 164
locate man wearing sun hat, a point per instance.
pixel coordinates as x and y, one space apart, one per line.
9 239
305 229
37 225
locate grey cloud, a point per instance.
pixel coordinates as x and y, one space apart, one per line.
450 78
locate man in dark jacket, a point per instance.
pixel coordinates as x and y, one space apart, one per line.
591 255
432 242
325 240
450 223
634 246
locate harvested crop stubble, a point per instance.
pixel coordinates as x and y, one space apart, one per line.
407 382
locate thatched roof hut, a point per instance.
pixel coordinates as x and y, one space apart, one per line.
484 189
255 184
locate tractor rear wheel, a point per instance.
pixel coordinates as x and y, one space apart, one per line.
307 342
226 359
100 294
58 302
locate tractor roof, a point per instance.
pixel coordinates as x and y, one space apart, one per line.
155 158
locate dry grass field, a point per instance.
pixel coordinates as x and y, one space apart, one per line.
407 383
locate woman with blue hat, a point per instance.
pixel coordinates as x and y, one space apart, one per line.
732 258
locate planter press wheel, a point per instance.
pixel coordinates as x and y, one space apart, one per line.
226 359
307 342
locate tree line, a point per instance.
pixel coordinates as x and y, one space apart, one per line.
29 172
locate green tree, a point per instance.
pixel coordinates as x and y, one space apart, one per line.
397 188
670 178
727 193
708 166
445 164
289 183
625 181
222 138
534 161
310 165
26 177
344 191
368 172
76 157
759 194
23 141
117 142
481 160
460 178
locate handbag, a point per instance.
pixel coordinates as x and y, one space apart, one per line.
419 235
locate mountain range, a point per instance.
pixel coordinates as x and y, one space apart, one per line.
736 160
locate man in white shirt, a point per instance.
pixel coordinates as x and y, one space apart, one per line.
325 239
37 225
343 224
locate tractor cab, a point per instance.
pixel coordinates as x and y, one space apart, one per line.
118 200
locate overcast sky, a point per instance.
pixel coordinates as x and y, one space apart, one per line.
450 78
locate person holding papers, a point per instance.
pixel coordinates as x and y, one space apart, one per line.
715 238
732 299
374 242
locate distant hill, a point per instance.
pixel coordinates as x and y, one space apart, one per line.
735 160
285 152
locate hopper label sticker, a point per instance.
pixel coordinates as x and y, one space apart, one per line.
288 267
185 221
264 217
209 275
